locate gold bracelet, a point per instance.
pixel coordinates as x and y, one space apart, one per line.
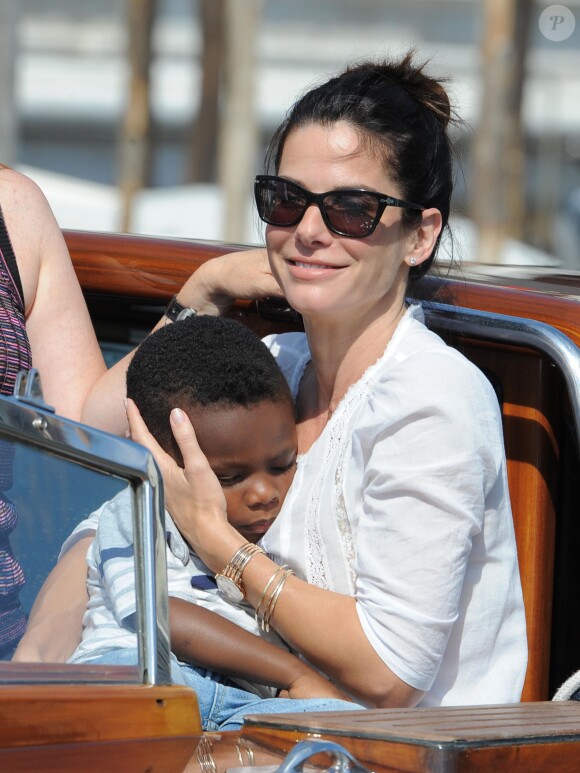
229 580
205 756
241 745
258 616
273 600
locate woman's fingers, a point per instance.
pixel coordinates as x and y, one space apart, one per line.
205 487
193 494
184 434
140 433
173 475
244 275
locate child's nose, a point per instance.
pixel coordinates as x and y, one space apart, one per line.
261 492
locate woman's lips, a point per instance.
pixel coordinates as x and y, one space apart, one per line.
303 268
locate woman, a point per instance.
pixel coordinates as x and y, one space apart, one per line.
44 322
403 583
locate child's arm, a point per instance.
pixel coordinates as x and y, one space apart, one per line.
203 637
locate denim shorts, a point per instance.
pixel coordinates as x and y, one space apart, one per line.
222 705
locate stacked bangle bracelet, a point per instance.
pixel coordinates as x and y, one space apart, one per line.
205 756
267 604
229 580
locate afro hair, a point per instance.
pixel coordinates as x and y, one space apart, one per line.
202 361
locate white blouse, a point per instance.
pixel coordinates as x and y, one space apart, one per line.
403 503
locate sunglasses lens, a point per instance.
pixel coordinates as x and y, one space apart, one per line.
351 214
279 202
347 213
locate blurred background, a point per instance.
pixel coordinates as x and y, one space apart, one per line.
152 116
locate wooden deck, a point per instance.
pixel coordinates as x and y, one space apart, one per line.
542 737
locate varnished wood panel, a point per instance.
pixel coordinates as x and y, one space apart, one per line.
531 403
151 267
518 738
97 727
159 755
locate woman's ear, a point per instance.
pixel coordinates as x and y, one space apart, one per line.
424 237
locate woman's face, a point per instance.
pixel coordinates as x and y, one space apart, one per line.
323 274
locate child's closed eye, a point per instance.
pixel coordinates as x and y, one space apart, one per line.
230 480
279 469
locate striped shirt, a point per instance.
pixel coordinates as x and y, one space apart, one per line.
109 622
15 355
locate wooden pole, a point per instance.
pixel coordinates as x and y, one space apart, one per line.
498 180
238 140
135 144
203 148
8 122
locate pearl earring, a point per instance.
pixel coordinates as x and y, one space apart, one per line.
413 261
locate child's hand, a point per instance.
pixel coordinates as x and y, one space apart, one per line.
311 684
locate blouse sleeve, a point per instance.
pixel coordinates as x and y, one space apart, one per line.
430 450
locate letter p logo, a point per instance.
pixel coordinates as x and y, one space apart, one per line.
557 23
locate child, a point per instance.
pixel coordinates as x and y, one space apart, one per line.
226 380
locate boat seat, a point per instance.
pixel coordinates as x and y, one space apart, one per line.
536 372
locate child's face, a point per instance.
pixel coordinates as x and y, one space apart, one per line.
253 453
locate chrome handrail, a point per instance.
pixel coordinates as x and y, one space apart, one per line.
110 454
514 330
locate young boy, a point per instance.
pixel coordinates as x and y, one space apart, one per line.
226 380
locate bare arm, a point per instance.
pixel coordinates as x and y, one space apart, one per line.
202 637
55 625
64 347
210 290
63 343
322 625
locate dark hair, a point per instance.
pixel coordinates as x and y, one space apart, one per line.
401 114
201 361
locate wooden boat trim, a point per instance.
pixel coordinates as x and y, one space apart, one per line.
518 738
93 728
156 268
73 713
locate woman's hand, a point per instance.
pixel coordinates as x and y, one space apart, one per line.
243 275
193 494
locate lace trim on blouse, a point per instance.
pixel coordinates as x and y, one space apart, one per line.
337 436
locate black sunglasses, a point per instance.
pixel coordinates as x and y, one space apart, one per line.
345 212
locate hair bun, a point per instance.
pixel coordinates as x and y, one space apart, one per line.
428 91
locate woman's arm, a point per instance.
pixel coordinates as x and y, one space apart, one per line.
210 290
55 624
322 625
65 350
63 343
206 639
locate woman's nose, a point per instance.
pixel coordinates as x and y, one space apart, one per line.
312 228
